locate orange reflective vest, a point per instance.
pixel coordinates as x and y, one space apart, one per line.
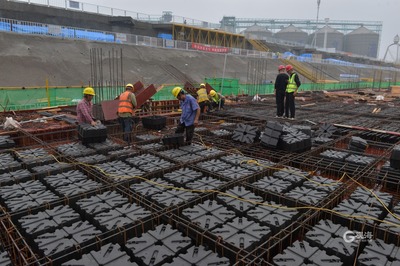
125 103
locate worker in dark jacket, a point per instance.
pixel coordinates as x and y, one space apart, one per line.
190 113
291 91
281 82
126 111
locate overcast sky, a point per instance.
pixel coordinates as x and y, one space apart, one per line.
386 11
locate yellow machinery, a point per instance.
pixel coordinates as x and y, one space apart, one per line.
259 45
188 33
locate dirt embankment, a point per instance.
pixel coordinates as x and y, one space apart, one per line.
29 60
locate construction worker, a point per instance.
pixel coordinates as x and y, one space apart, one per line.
202 98
84 109
126 111
291 91
190 113
217 100
281 82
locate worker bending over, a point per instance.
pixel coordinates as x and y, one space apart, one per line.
202 98
217 100
190 113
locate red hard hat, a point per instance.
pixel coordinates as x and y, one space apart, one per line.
281 67
289 67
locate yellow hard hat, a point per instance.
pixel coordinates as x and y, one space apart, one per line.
202 85
129 85
212 93
176 91
89 91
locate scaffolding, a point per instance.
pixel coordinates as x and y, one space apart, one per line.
183 32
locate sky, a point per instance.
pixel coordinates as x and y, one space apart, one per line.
386 11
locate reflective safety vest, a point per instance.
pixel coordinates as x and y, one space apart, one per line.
216 98
291 86
125 103
202 95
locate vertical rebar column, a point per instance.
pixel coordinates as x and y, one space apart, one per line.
99 92
248 75
109 67
258 68
122 69
113 68
117 69
91 67
101 73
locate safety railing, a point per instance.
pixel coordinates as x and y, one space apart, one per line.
25 27
110 11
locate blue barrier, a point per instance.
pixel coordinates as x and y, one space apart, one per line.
94 36
64 33
29 29
5 26
165 36
67 33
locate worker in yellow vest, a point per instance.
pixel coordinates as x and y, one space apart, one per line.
202 98
291 91
126 111
217 100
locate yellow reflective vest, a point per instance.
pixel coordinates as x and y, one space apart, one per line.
202 95
291 86
216 98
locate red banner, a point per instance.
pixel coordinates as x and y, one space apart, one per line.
211 49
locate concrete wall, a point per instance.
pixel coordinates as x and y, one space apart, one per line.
28 60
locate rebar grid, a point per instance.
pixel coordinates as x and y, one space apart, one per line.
19 251
296 230
263 254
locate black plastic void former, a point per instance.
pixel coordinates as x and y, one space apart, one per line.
154 122
92 134
246 134
395 157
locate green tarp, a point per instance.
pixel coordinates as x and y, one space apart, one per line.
35 98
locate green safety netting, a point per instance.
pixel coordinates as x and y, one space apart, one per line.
35 98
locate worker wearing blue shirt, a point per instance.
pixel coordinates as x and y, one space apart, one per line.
190 113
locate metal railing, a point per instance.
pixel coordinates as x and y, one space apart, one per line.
26 27
110 11
167 17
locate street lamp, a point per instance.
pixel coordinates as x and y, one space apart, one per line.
314 41
396 41
326 32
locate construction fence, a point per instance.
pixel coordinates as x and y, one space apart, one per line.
12 99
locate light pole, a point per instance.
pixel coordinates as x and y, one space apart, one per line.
326 32
396 41
223 77
314 41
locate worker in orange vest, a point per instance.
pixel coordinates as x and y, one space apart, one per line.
126 111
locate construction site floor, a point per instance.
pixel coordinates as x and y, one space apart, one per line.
226 199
